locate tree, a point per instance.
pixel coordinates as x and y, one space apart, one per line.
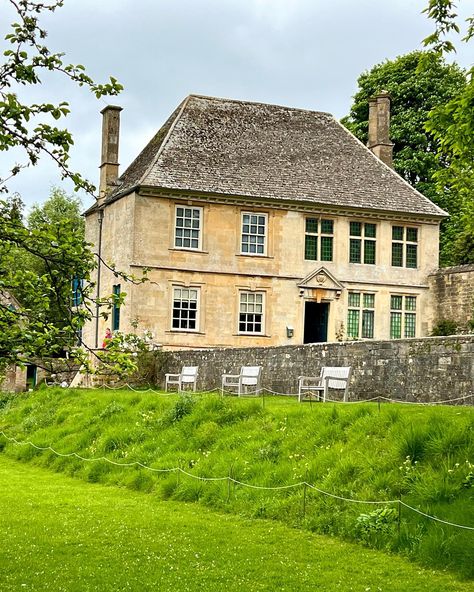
418 83
452 125
55 246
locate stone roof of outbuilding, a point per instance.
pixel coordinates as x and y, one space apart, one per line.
228 147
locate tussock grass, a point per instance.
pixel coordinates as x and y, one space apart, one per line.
424 455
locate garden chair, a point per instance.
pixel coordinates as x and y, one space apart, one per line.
249 377
185 379
330 377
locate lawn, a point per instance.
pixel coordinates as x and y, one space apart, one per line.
363 452
61 534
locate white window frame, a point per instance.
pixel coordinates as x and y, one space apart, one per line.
181 289
251 234
251 304
185 228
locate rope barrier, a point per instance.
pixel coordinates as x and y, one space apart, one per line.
276 393
231 480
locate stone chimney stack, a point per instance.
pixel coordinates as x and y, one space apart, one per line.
109 165
379 128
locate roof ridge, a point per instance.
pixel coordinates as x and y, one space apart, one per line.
164 141
391 170
242 102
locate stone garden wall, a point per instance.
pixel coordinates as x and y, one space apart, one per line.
428 369
452 291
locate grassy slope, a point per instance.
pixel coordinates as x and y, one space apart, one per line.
354 451
61 534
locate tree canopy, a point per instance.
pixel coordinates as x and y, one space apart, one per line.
452 125
40 260
418 83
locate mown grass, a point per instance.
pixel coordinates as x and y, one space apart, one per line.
61 534
423 455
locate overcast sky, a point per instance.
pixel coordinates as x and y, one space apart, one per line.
299 53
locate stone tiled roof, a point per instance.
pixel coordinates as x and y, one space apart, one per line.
221 146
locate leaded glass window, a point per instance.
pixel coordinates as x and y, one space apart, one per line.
319 237
360 315
402 316
405 246
362 242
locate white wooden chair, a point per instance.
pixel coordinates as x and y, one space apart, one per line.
331 377
185 379
249 378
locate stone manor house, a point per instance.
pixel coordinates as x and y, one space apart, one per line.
263 225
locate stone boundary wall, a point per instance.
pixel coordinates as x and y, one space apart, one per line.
424 370
452 290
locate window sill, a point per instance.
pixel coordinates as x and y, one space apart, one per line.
251 335
254 255
184 250
185 331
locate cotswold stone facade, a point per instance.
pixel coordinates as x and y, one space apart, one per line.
452 290
433 369
262 225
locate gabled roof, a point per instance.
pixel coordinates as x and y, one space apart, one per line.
228 147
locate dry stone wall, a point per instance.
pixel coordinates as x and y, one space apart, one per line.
452 290
430 369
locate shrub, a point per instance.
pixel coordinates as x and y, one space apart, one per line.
445 327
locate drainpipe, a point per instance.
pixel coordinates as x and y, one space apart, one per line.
99 264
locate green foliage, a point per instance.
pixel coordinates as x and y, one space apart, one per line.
452 126
418 82
352 451
27 126
445 327
378 522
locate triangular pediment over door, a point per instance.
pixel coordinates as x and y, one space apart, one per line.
320 284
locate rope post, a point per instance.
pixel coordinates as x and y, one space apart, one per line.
263 399
178 474
399 517
305 485
378 403
229 481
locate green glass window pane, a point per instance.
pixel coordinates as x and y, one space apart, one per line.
368 324
412 235
396 302
369 252
412 256
395 325
370 230
356 229
311 225
410 324
369 300
327 226
311 247
397 254
397 232
354 299
116 307
353 324
326 248
355 250
410 302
